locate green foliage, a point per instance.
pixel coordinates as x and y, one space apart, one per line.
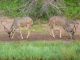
56 50
75 3
73 12
40 9
73 9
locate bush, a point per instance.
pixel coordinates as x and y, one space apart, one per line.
40 9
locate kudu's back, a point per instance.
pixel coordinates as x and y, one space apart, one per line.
57 21
22 22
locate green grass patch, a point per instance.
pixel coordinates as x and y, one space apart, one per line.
40 50
38 28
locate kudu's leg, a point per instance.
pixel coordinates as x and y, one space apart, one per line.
20 33
60 33
52 31
12 33
28 32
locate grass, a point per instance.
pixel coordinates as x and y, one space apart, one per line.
40 50
38 28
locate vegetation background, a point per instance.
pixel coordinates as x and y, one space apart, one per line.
40 9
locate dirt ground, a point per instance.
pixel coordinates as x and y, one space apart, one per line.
35 37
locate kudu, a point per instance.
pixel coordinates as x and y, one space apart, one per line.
26 22
56 23
59 22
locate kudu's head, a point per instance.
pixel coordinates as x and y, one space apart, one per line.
70 27
6 28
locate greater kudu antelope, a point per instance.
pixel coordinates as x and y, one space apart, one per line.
17 24
56 23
